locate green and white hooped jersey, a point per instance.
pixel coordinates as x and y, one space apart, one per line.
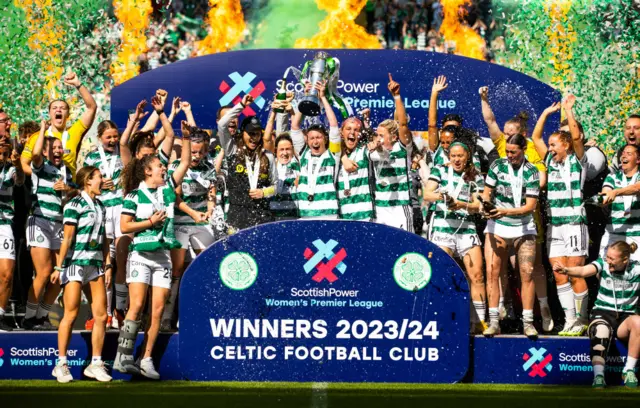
454 222
504 180
564 191
48 202
625 210
282 204
141 207
88 218
618 292
320 199
440 158
113 163
195 189
392 175
357 203
7 182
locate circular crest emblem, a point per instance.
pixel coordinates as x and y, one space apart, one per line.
238 270
134 274
239 168
40 239
412 271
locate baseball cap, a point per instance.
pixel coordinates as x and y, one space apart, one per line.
250 124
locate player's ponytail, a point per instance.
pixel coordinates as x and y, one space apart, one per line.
625 249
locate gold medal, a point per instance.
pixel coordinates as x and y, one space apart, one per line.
93 243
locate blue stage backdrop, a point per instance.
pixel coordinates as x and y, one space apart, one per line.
324 301
213 81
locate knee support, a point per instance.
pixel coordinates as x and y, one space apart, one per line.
127 338
600 334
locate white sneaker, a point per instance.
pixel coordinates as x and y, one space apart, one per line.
97 371
492 330
568 324
62 373
148 370
547 319
578 329
529 330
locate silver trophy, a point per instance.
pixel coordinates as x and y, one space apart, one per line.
309 105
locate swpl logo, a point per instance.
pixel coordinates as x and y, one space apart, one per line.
537 364
242 85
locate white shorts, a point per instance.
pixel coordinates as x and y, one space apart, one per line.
567 240
42 233
198 237
509 232
112 222
7 243
459 244
78 273
399 217
151 268
610 238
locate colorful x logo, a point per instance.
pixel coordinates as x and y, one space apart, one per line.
325 251
242 85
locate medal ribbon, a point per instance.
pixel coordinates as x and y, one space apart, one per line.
516 184
94 237
253 172
628 199
108 167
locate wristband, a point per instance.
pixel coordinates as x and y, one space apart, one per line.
79 86
151 222
108 266
397 97
159 112
58 268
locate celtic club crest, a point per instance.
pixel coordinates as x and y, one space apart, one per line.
238 270
412 271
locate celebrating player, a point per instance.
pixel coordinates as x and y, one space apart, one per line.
84 260
615 310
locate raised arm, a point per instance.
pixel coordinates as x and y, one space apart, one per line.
152 122
267 141
487 114
223 132
134 119
167 144
536 136
404 132
185 157
89 114
186 108
439 85
36 154
578 144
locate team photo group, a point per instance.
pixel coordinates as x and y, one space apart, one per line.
119 224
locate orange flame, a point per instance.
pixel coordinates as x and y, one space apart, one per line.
338 30
467 42
135 16
45 38
226 27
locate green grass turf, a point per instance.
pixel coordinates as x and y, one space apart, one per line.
86 394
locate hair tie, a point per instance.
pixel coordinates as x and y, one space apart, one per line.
464 146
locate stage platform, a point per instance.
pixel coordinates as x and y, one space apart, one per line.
508 359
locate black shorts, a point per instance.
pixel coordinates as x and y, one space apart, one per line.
614 319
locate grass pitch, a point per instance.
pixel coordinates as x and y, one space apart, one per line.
86 394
